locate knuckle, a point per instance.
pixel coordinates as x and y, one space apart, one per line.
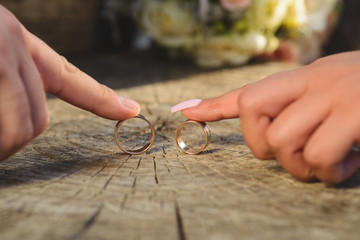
62 72
259 149
11 23
335 178
274 139
10 29
331 175
325 170
317 61
247 102
25 135
68 67
293 163
15 139
320 62
261 153
314 158
42 122
306 175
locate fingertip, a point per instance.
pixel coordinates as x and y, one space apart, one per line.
185 105
189 114
131 106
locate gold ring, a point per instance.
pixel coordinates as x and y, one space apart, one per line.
142 149
180 142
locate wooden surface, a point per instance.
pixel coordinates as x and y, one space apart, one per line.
73 182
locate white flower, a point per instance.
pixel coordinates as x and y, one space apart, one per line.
171 23
268 14
297 14
319 12
230 32
234 49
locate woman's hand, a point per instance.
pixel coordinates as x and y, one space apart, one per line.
308 119
28 67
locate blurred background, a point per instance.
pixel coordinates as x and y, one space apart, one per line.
83 28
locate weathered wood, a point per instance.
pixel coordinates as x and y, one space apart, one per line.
73 182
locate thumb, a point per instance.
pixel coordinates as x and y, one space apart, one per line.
67 82
213 109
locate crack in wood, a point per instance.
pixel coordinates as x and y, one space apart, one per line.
179 221
157 180
134 183
111 177
187 170
123 202
163 124
164 154
88 223
101 169
135 135
164 137
137 167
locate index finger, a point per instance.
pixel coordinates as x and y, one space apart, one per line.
74 86
215 109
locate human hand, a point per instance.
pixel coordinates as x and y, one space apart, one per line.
28 67
308 118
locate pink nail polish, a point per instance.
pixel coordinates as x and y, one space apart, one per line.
186 104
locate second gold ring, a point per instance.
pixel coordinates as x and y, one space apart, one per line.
184 145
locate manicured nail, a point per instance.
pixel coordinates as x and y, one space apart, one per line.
187 104
129 103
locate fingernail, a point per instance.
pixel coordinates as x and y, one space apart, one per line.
187 104
129 103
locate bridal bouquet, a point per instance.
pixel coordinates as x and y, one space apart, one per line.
231 32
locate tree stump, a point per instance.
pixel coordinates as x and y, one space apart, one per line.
73 182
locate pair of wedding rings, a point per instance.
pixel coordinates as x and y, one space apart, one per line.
178 137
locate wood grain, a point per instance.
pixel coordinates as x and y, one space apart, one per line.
73 182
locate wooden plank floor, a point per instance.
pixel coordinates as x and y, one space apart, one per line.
73 182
